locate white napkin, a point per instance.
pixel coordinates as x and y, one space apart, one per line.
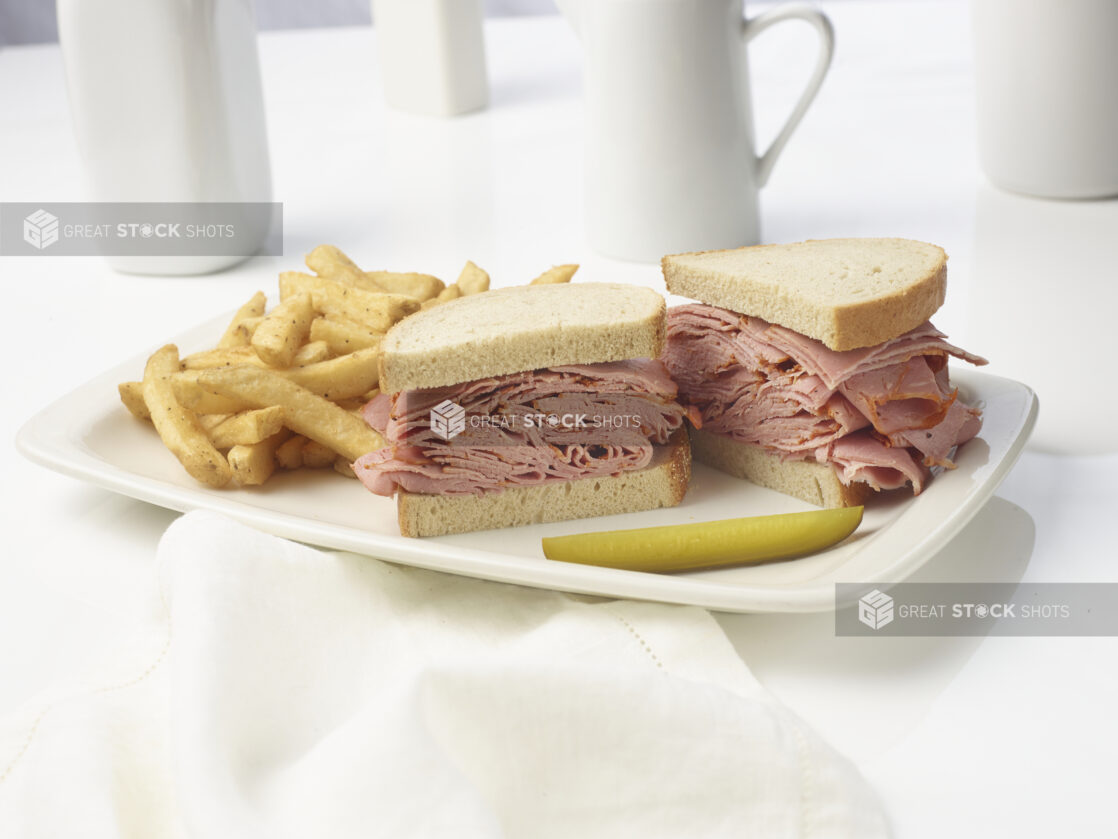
287 692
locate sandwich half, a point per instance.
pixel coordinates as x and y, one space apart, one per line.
814 366
526 405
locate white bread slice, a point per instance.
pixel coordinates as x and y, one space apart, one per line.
847 293
510 330
814 482
660 484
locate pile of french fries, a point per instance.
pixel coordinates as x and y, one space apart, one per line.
284 389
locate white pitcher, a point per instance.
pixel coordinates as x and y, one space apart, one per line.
167 107
671 163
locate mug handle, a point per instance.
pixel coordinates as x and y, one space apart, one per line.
822 24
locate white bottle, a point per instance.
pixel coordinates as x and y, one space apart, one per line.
167 107
432 55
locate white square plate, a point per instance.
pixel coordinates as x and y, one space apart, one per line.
89 435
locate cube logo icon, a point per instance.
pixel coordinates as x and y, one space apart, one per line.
875 609
40 229
448 419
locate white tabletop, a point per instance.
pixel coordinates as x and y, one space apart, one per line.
971 736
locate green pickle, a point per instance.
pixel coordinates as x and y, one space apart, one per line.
711 544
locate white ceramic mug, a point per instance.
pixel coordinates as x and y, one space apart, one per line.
670 159
167 107
1046 75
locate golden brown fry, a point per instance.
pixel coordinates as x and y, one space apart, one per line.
236 334
212 421
284 330
373 310
330 261
247 428
221 357
343 336
558 274
198 399
472 280
312 353
178 427
317 456
290 453
306 413
252 465
132 395
339 378
419 286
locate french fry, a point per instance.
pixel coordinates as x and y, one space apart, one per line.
343 336
289 455
236 334
306 413
252 465
247 428
558 274
284 330
339 378
330 261
374 310
132 395
472 280
420 286
221 357
317 456
451 292
212 421
311 353
178 427
198 399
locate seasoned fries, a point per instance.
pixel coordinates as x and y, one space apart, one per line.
178 427
237 334
558 274
132 395
283 331
312 353
342 335
253 464
307 413
377 310
329 261
420 286
343 377
472 280
283 389
247 428
221 357
192 395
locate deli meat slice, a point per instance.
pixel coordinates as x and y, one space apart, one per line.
508 440
883 415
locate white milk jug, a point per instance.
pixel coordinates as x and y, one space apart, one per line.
670 158
167 106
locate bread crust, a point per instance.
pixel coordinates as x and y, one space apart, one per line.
663 483
510 330
847 293
811 481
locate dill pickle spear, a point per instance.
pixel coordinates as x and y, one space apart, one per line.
709 544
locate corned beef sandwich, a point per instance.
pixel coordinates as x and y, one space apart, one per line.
814 366
526 405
